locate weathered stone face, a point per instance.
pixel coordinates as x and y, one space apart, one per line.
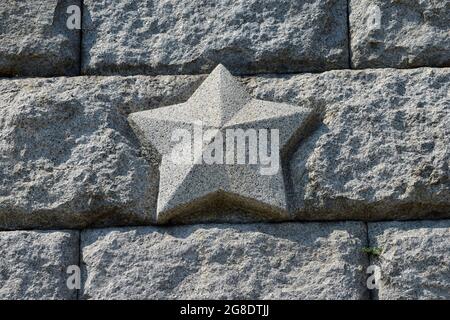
253 261
68 156
33 264
70 159
414 261
382 151
186 37
350 148
35 40
400 33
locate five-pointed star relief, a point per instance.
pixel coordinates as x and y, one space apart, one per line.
210 180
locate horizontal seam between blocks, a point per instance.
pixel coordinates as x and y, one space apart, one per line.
203 74
121 226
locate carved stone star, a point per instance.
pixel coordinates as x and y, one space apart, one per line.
212 181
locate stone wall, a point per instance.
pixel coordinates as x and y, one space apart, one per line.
367 182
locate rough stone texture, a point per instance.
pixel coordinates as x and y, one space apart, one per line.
33 264
67 155
194 181
187 37
408 33
34 38
415 260
252 261
382 151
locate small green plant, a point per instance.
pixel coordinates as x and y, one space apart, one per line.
373 251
